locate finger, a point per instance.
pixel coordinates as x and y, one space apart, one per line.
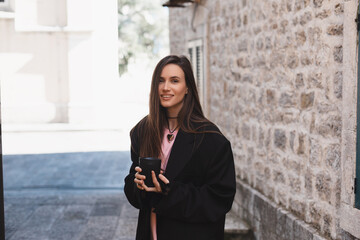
155 181
139 184
139 176
138 181
149 189
164 179
138 169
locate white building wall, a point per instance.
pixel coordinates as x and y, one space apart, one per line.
58 61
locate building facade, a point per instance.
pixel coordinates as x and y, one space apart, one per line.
59 60
280 79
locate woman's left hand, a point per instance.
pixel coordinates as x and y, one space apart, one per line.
157 187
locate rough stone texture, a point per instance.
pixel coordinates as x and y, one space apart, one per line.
275 82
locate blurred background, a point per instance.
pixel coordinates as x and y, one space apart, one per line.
77 66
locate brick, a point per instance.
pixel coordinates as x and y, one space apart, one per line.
261 138
323 186
292 139
338 83
295 184
301 148
292 61
280 138
323 14
327 225
309 183
281 198
330 125
314 35
315 79
317 3
306 59
259 44
305 18
335 30
268 43
315 215
278 177
299 80
300 37
333 156
270 96
338 54
245 129
339 8
287 100
297 207
307 100
242 45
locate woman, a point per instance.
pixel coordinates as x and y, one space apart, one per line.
196 186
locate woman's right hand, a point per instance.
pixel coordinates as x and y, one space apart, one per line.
139 179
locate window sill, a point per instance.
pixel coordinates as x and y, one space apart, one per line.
39 28
350 220
7 15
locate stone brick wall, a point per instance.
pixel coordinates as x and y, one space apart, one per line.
275 75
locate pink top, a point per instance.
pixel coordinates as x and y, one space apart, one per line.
166 147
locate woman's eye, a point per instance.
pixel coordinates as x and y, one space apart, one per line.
161 80
175 80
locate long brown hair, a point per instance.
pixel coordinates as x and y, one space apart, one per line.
152 126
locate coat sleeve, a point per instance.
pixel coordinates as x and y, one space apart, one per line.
136 197
206 203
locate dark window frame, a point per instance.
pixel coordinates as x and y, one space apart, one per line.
357 167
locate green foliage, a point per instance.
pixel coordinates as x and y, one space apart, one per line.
142 28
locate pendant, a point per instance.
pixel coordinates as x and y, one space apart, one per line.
170 137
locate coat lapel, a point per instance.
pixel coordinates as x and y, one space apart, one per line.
180 154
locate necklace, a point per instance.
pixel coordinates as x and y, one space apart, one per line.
170 136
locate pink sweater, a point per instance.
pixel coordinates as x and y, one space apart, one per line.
166 147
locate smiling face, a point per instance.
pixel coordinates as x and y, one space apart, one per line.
172 89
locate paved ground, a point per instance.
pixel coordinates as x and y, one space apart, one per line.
66 194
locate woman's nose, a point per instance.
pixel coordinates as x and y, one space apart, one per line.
166 86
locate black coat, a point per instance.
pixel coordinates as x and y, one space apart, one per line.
202 177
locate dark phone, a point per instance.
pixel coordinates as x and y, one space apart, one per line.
148 164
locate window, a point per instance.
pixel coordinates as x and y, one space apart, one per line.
196 55
4 4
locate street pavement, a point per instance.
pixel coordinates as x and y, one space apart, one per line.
69 190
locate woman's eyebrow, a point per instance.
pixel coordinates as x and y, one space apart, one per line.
172 77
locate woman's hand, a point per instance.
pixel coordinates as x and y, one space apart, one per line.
139 180
157 187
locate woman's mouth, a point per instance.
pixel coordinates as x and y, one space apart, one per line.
166 96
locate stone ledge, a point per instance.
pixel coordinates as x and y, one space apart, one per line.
236 228
235 225
267 219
